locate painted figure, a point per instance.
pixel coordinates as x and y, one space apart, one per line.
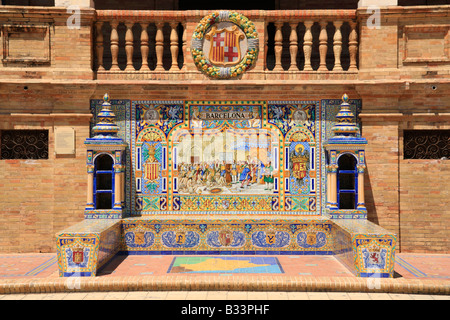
268 176
234 172
228 178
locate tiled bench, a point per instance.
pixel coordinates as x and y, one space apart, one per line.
363 247
87 246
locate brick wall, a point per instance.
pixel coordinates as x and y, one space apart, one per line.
381 179
41 197
66 48
409 197
424 197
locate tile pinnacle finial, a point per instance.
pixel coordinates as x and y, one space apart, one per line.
345 98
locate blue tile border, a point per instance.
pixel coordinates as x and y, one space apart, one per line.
77 274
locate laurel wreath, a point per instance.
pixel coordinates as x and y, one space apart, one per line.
250 57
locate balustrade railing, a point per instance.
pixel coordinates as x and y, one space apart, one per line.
311 40
138 41
294 41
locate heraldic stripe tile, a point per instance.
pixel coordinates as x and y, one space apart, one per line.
416 272
42 267
27 265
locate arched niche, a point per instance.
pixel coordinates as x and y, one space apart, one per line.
103 181
347 181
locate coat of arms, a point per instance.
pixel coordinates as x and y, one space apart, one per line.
271 237
225 44
311 239
151 166
180 237
139 236
374 257
225 238
78 254
225 47
299 162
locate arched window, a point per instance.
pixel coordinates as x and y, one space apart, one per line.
104 182
347 193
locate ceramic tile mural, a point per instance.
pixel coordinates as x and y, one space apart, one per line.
224 178
246 157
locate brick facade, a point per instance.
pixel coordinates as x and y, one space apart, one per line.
408 197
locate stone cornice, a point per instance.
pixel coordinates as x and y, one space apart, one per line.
17 14
407 12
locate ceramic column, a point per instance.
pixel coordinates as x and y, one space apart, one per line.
361 201
117 187
328 187
90 189
122 187
333 187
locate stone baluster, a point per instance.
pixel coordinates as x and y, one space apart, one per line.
129 45
278 46
174 45
99 46
159 46
184 39
293 45
114 46
144 46
307 45
352 46
337 46
323 39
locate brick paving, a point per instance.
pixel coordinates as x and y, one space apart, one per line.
221 295
417 276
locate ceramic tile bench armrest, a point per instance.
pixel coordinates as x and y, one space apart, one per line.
365 248
87 246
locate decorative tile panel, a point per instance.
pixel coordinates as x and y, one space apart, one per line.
225 156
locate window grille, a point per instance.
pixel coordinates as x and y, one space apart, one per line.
24 144
426 144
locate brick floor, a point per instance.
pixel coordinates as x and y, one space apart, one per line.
147 277
144 295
